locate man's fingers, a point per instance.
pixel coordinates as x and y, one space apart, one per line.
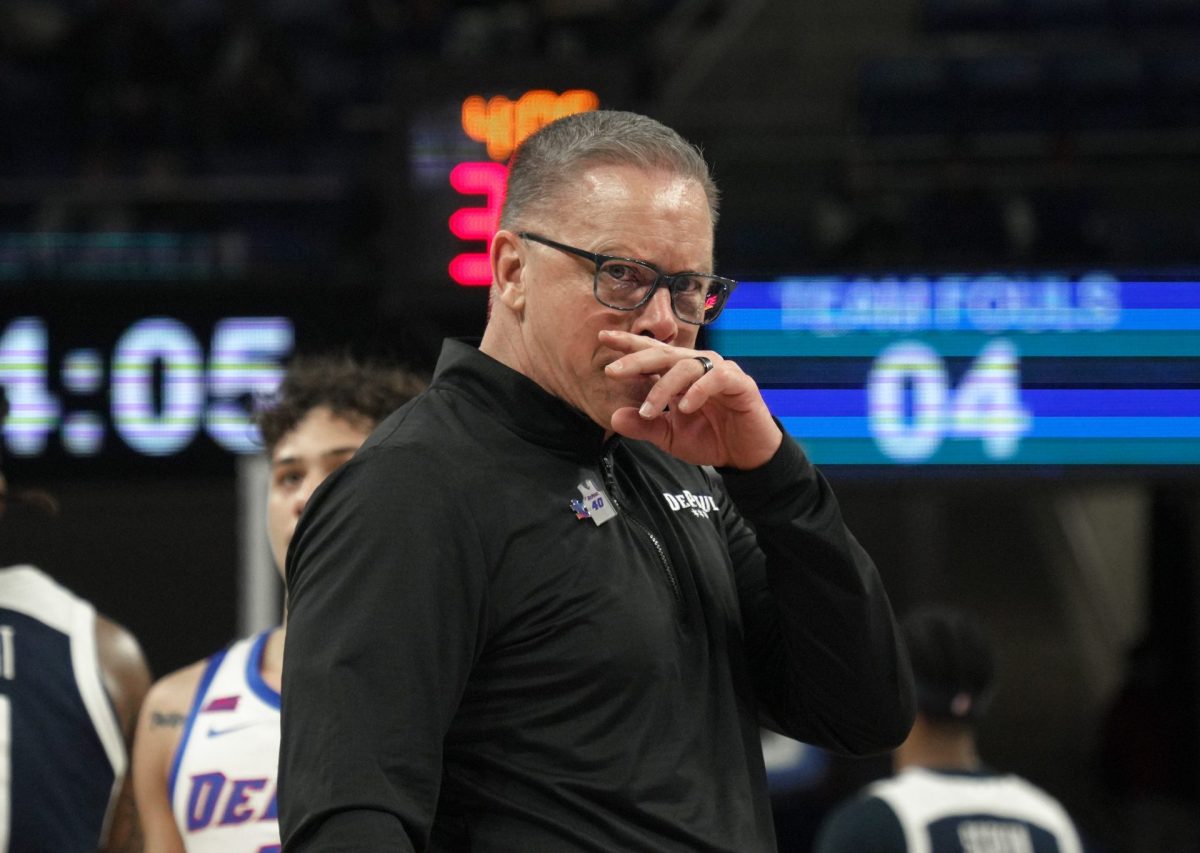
680 375
643 362
683 387
653 357
627 341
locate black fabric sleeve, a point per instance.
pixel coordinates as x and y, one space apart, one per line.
386 598
862 825
822 645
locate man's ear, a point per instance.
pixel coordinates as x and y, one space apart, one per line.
508 267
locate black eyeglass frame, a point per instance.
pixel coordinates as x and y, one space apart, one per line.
727 284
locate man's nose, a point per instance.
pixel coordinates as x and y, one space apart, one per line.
656 318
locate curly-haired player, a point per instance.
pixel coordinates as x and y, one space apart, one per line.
208 738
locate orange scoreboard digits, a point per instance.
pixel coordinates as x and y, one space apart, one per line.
501 124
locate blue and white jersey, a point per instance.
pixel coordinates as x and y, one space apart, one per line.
976 813
62 756
223 778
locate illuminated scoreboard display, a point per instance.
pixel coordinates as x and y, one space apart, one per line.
986 370
457 151
500 124
158 386
126 379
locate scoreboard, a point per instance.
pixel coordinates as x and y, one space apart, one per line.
932 372
163 376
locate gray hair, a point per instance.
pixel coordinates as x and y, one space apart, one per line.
552 157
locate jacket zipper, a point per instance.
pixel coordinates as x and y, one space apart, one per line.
610 483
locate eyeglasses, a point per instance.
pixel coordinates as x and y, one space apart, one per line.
627 284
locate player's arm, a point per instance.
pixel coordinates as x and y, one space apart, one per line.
159 732
126 679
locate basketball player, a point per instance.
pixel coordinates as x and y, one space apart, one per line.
943 799
208 739
71 683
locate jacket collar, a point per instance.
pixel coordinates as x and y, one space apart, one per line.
518 402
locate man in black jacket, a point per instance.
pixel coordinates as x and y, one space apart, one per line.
548 604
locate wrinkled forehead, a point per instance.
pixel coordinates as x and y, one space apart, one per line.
611 194
632 185
590 175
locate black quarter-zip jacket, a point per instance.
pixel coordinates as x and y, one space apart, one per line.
471 665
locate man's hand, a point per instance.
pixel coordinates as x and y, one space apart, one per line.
706 417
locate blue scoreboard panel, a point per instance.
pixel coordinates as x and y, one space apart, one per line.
976 370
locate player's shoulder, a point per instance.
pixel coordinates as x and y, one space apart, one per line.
862 824
23 574
1041 804
177 690
119 651
34 593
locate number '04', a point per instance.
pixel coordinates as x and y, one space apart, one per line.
911 407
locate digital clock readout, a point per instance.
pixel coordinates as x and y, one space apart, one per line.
156 390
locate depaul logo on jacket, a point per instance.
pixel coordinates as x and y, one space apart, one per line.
699 505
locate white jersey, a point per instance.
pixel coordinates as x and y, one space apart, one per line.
976 812
223 779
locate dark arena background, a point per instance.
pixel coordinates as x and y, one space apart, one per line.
967 232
